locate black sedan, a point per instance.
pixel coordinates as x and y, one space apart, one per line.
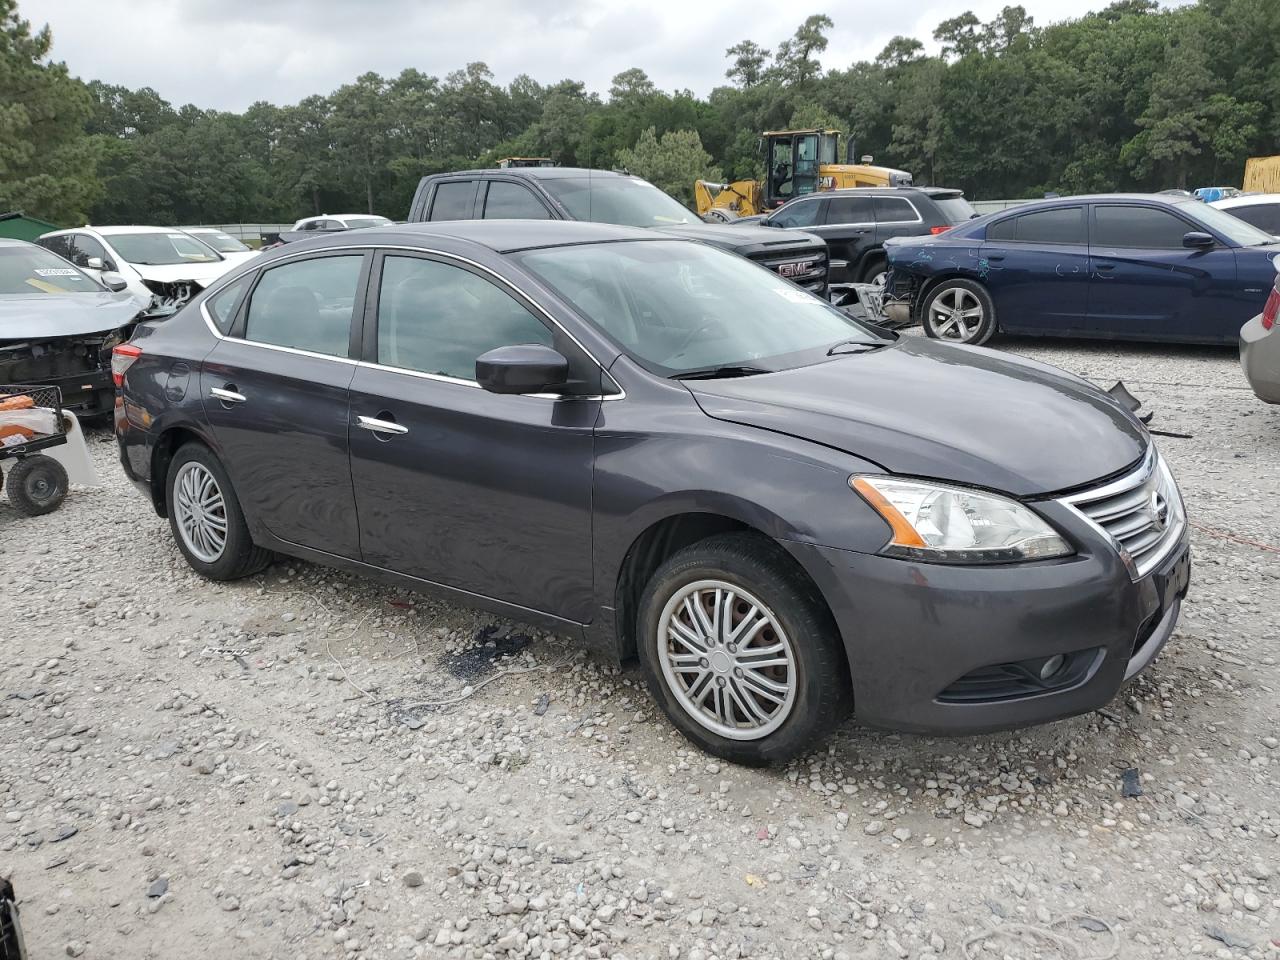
1115 266
670 452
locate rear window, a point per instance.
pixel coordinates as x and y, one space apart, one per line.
955 209
453 200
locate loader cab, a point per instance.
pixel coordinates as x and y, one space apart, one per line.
507 163
794 161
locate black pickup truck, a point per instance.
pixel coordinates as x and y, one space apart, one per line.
570 193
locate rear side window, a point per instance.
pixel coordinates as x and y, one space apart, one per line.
306 305
1120 226
84 247
803 214
850 210
1264 216
1059 225
437 318
452 200
511 201
894 210
222 305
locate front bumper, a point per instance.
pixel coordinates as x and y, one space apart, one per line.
943 649
1260 359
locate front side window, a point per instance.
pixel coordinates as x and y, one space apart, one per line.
511 201
306 305
850 210
453 200
438 318
162 249
84 248
1137 227
222 305
803 213
894 210
27 270
677 307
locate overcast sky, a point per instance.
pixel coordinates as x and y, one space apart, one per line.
226 54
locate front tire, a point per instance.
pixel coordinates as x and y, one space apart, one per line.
740 652
205 517
37 485
959 311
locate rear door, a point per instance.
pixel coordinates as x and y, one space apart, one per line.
482 492
1036 267
1146 284
896 217
275 395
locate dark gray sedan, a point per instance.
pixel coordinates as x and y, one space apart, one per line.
674 454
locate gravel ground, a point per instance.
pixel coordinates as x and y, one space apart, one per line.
310 765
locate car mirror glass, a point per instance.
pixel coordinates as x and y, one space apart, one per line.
521 368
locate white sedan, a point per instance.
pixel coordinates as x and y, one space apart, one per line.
1260 209
341 221
161 266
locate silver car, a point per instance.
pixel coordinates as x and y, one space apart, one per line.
1260 347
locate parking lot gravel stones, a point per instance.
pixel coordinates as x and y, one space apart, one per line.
288 768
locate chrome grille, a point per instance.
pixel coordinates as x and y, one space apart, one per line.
1141 514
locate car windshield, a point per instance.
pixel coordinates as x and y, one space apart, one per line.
28 270
676 306
628 201
1233 228
357 223
222 242
157 249
955 209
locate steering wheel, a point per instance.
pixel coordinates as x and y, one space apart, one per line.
684 344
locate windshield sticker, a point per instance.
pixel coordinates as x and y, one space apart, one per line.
796 295
54 272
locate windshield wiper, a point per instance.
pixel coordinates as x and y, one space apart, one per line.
853 346
717 373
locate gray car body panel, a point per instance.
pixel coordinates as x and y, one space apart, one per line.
47 316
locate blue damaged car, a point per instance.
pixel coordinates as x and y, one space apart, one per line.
1115 266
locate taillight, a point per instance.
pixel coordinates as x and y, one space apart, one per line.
1271 309
937 230
122 357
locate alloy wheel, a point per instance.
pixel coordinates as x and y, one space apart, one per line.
956 314
201 512
726 658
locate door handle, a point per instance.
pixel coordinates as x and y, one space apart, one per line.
381 426
995 257
1104 266
226 395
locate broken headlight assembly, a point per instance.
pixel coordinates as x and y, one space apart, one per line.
949 524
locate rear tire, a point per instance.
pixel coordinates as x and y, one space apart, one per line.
875 270
205 517
774 680
37 485
959 311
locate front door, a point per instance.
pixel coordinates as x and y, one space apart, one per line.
486 493
1036 266
1147 284
275 394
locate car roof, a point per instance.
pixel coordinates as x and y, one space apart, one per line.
15 242
500 236
1246 200
540 173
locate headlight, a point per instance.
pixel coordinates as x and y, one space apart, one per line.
956 525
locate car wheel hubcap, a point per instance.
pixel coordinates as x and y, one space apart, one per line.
956 314
201 512
727 659
878 279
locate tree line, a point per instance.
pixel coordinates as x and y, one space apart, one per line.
1133 96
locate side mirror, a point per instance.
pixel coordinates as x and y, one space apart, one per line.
521 368
94 263
113 282
1197 240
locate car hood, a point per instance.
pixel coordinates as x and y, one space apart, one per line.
201 273
46 316
946 412
744 239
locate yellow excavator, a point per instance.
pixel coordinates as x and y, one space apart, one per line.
796 162
507 163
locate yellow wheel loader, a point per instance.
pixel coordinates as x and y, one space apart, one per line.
796 162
